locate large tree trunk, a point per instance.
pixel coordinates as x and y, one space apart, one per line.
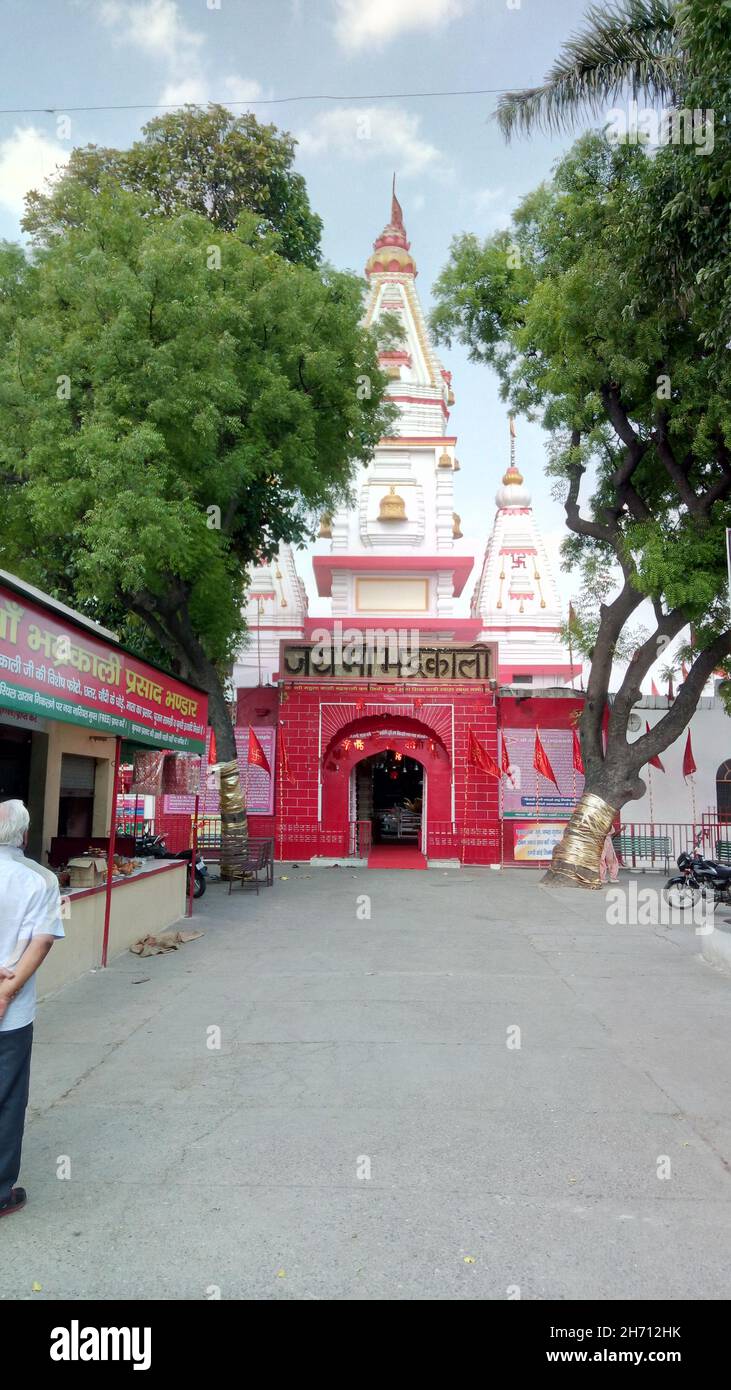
607 788
234 824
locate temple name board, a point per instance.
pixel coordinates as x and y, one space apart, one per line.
448 663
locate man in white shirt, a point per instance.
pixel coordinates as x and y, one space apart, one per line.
30 921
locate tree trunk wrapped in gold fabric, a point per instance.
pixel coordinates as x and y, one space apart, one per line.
575 859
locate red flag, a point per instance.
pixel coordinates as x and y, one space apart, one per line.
654 762
541 762
212 754
256 753
505 760
578 760
479 756
284 766
653 689
689 766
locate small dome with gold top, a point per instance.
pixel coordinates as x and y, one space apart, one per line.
513 492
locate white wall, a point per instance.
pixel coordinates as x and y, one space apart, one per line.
710 732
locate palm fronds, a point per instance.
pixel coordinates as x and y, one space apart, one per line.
631 48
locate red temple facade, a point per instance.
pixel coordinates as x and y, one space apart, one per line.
391 710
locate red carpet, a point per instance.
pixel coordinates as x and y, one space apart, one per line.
396 857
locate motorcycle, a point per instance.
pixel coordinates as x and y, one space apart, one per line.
698 878
150 846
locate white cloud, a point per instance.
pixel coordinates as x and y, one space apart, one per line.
374 132
158 30
492 209
376 22
27 159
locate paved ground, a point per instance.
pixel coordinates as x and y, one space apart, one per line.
347 1043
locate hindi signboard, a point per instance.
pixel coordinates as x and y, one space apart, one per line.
54 670
527 792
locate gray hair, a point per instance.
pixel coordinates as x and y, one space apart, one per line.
14 822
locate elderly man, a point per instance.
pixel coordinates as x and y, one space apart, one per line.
30 920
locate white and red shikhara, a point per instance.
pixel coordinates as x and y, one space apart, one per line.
395 564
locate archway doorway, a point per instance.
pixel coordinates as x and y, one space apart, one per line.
388 790
723 792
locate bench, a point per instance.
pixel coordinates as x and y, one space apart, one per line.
255 859
266 846
652 847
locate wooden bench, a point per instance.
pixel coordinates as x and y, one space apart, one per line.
652 847
266 846
248 868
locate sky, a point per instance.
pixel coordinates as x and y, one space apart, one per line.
454 171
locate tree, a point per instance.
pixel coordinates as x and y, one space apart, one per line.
635 391
634 47
198 160
174 402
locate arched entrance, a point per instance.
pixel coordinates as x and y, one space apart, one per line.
723 792
373 798
387 789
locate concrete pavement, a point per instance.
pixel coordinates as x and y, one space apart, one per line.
368 1127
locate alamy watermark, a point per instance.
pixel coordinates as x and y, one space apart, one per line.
632 906
632 125
371 646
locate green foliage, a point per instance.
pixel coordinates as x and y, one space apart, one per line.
189 388
193 160
582 337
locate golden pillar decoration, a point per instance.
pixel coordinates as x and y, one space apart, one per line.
456 531
575 859
234 825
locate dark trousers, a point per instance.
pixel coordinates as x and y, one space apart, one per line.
15 1047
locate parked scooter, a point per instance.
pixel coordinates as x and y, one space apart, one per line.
150 846
698 878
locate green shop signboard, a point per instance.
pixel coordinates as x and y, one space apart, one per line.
54 670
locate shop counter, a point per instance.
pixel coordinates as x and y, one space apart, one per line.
143 904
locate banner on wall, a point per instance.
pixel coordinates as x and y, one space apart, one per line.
535 840
54 670
525 791
256 780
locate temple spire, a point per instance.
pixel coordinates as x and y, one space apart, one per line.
397 216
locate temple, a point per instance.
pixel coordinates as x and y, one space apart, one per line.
387 708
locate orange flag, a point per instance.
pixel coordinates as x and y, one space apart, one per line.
541 762
689 766
654 762
212 754
284 766
653 689
578 760
505 760
256 753
479 756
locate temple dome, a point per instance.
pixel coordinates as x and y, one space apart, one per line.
512 492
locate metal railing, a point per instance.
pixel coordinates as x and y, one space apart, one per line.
657 844
360 839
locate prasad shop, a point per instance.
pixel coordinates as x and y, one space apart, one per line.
69 695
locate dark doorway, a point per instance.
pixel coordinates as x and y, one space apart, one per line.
15 746
76 802
389 789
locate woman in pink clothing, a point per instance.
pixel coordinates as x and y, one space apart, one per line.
609 863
